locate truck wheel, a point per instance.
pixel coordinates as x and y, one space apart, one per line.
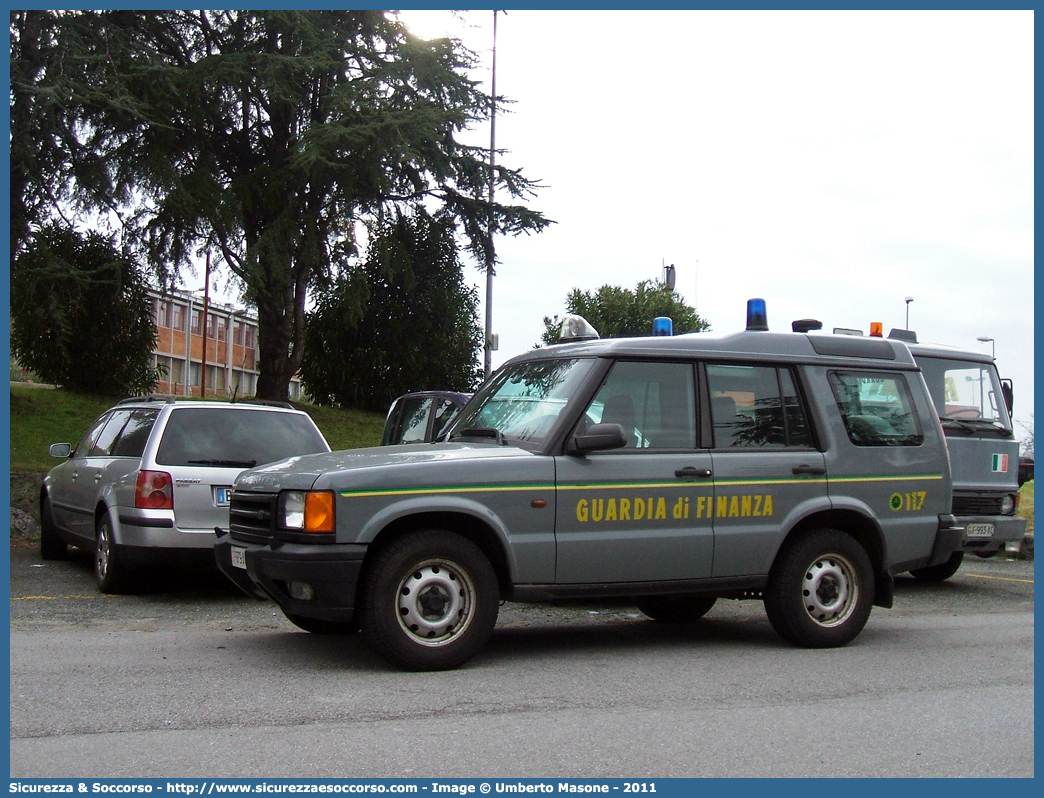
52 547
320 626
675 609
942 571
820 590
109 570
429 601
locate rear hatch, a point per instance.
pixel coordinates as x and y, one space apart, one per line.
205 448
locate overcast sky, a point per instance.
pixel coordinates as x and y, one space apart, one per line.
833 163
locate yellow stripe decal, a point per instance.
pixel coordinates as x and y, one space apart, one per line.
676 483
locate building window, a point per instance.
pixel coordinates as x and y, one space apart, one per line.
249 342
178 318
197 322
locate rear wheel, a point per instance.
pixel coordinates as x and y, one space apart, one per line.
675 609
429 601
319 626
820 590
942 571
109 569
52 547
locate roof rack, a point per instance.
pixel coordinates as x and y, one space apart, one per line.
152 397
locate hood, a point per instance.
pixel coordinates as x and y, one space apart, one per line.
380 467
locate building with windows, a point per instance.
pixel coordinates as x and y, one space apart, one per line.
229 362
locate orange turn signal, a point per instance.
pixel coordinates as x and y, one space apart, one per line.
319 511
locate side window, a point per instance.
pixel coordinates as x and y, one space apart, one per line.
415 420
109 433
86 444
876 408
445 409
756 407
135 435
655 403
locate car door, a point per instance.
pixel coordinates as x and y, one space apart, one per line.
630 514
886 459
88 482
765 464
64 482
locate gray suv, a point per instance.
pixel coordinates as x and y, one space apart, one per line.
151 479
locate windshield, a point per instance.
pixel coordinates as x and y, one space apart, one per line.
521 403
966 391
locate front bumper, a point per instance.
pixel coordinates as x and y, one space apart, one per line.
327 574
1006 528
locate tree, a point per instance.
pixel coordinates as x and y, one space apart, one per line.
270 136
405 321
80 314
617 312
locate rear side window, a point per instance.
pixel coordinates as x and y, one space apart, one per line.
237 438
113 427
756 407
135 434
877 408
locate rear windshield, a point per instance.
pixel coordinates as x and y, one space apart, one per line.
240 438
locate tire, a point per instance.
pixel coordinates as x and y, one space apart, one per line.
52 547
987 554
820 590
942 571
675 609
318 626
429 601
109 569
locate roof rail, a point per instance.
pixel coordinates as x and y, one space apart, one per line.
268 403
152 397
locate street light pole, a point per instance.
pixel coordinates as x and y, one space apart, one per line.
909 299
488 358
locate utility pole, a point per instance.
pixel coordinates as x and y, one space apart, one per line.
488 360
206 308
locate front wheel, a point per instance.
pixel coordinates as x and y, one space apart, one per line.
942 571
675 609
429 601
820 590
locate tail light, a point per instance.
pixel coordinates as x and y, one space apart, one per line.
155 491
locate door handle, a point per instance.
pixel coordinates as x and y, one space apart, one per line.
816 471
690 471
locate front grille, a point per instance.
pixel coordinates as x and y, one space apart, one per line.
978 503
251 516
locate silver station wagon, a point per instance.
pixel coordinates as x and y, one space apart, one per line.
151 479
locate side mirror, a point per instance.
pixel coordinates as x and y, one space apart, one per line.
1009 395
598 437
60 450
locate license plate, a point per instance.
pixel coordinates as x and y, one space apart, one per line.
221 496
979 531
238 557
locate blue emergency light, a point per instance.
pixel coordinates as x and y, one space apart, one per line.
757 315
662 325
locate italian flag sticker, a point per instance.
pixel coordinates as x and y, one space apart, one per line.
1000 462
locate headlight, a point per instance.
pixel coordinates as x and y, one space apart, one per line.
1008 505
292 510
307 511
